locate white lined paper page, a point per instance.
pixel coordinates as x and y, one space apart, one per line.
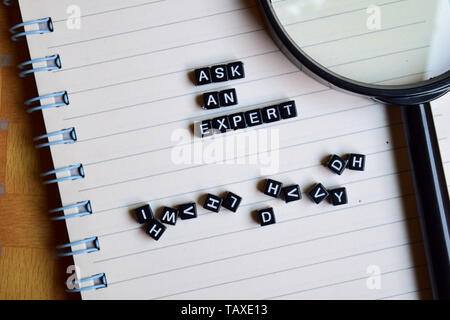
127 74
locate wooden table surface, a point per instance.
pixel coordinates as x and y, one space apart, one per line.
28 269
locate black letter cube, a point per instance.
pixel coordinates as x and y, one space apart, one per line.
253 118
318 193
336 164
212 203
338 196
155 229
271 114
221 124
205 128
237 121
187 211
211 100
228 98
266 216
219 73
144 214
202 76
356 162
169 216
292 193
231 201
235 70
273 188
288 110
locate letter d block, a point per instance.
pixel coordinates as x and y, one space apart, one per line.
336 164
266 217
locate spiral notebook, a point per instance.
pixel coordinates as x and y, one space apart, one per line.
119 103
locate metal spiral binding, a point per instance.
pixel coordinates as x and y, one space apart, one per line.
69 136
61 99
99 282
52 63
17 33
78 169
84 209
95 246
56 100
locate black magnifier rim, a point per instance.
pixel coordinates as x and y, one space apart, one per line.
416 93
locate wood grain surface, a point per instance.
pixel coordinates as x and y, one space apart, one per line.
28 269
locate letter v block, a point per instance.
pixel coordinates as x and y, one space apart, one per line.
187 211
318 193
292 193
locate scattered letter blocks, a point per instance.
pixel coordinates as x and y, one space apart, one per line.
338 196
231 201
187 211
273 188
318 193
292 193
155 229
169 216
356 162
336 164
212 203
266 217
144 214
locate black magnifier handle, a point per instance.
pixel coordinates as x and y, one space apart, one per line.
431 194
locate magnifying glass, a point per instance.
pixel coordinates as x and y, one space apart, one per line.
396 52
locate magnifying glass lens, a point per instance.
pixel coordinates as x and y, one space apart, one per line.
386 42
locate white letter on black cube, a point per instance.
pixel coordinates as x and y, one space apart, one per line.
237 121
338 196
235 70
155 229
271 114
221 124
288 110
266 216
228 98
212 203
205 128
336 164
253 118
292 193
356 162
169 215
273 188
211 100
187 211
219 73
202 76
231 201
144 214
318 193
